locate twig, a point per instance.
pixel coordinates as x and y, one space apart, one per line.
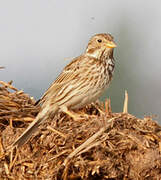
89 147
8 85
12 162
125 108
108 109
56 131
56 156
1 147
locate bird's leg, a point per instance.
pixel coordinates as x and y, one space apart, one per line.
74 116
102 113
99 110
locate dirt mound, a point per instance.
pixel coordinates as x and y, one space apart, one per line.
99 145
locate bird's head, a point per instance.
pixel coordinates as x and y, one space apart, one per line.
100 45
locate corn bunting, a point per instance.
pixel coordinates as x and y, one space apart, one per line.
81 82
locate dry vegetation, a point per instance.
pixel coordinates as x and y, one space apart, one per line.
100 145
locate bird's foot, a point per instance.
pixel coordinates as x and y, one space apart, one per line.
73 115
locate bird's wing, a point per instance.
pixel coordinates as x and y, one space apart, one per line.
70 75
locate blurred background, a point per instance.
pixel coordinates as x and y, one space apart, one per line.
38 38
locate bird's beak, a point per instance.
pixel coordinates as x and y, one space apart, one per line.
110 44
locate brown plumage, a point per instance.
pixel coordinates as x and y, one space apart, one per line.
80 83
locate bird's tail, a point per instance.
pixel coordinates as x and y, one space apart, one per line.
25 136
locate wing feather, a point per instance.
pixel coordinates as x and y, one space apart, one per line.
71 73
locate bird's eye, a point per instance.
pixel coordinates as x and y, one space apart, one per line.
99 40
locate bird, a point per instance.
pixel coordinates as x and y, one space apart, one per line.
80 83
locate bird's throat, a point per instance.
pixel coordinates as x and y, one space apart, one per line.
95 53
100 54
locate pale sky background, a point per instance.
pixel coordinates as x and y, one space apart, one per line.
37 37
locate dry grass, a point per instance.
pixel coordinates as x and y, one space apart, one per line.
100 145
